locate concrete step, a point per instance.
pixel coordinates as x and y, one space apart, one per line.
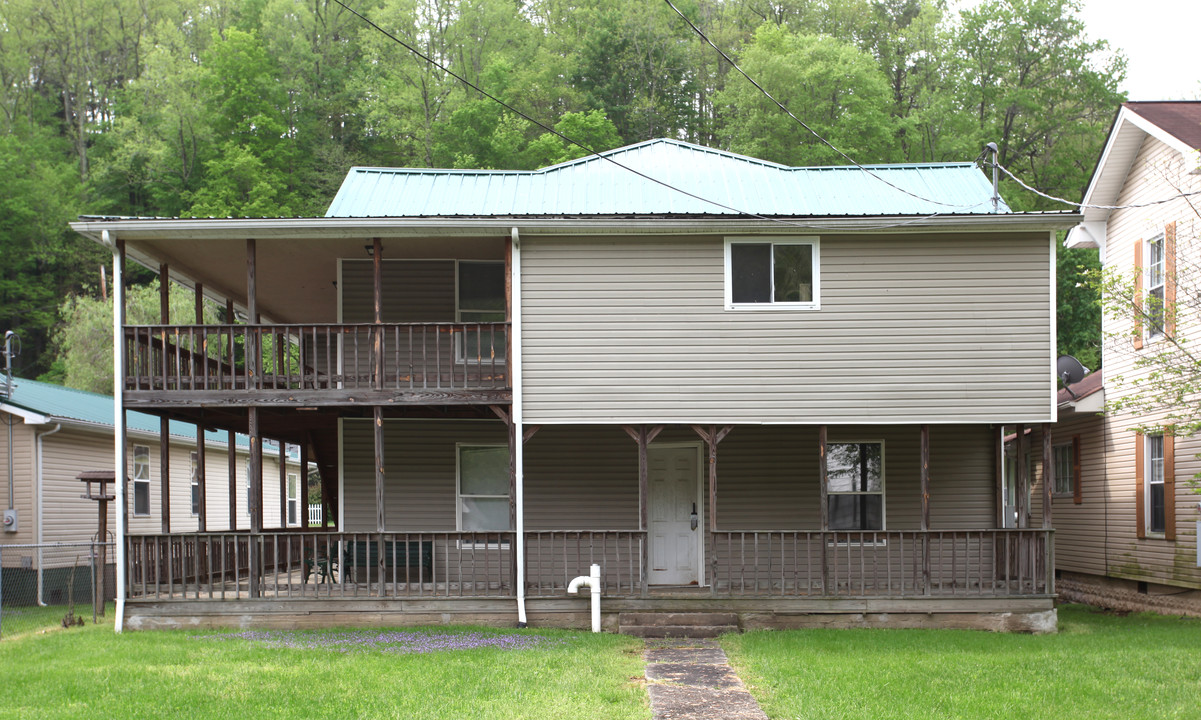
677 631
676 624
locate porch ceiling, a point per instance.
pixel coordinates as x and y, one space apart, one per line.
295 277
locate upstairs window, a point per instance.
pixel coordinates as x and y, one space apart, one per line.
1156 274
780 275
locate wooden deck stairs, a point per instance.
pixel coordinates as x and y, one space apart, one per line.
677 624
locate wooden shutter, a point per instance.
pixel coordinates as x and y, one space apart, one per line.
1138 300
1169 286
1169 485
1140 510
1077 489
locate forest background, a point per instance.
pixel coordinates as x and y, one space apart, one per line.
258 108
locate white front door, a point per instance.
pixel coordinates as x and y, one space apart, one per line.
673 480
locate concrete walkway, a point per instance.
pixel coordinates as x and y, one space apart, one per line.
693 680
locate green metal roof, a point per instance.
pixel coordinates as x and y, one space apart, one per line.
735 184
78 406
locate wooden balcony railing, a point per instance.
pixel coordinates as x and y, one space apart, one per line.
554 557
396 357
958 563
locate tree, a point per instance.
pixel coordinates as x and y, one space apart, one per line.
835 88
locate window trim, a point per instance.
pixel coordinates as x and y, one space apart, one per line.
194 485
1069 448
463 544
883 493
812 240
1149 461
141 449
1155 330
293 499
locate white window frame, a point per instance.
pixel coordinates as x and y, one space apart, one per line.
1155 280
246 509
195 486
460 342
293 505
1062 473
812 241
1154 469
459 447
882 493
141 476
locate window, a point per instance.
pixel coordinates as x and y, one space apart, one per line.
249 490
855 494
1065 466
141 480
484 488
1156 516
481 299
782 274
195 485
1155 287
293 499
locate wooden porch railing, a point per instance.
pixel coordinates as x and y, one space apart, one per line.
230 566
347 356
957 563
554 557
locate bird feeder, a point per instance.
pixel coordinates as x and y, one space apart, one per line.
99 485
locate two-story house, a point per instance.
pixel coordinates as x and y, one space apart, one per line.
775 393
1127 530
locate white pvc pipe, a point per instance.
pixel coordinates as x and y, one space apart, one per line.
41 504
591 580
118 424
515 417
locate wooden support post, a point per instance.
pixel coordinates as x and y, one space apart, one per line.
251 348
380 515
302 487
164 460
643 437
712 436
255 480
999 470
202 515
377 256
231 440
925 482
1023 476
283 484
1048 475
823 481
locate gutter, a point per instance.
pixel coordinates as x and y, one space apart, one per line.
39 484
518 432
109 240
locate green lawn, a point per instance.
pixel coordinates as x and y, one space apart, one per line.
91 672
1098 666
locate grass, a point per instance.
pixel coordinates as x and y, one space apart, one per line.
1098 666
92 672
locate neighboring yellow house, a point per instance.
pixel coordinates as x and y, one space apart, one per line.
1129 538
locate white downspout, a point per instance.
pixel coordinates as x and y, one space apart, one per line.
118 425
591 580
518 444
38 498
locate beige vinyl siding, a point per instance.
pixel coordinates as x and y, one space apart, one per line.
1077 526
911 328
414 291
1158 172
23 482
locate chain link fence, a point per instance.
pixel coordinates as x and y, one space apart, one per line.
54 585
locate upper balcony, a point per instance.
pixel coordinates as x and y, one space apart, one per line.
317 364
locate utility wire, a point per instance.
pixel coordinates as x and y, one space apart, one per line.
802 123
1040 193
627 168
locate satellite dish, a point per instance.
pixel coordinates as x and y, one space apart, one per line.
1069 370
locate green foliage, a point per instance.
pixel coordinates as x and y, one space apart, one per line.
1078 310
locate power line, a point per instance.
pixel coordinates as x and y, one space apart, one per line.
1042 194
802 123
627 168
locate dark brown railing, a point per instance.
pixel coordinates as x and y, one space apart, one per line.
390 356
958 563
554 557
220 566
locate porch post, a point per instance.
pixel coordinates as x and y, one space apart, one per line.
379 496
164 426
925 480
302 488
255 480
377 261
643 437
283 484
251 349
1023 478
202 515
712 437
999 470
1048 475
823 481
231 448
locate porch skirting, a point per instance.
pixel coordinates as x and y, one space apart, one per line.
1029 614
